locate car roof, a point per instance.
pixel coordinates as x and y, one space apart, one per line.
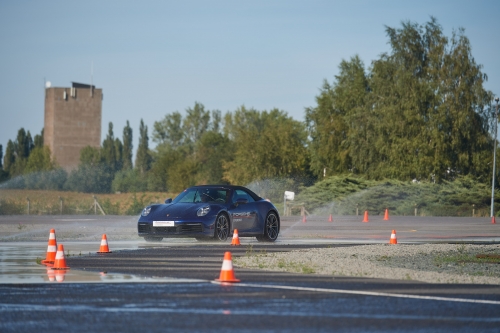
230 187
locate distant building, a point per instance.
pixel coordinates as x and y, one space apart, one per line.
72 122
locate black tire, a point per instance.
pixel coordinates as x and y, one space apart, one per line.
153 238
221 232
271 228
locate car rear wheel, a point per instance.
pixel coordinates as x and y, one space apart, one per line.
271 228
221 228
152 239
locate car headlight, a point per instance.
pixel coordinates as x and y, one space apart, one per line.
146 211
203 211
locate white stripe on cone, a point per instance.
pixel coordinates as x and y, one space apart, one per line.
227 265
59 255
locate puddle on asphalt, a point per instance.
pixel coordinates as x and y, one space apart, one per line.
18 265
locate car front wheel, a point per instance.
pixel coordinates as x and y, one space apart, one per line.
271 228
221 228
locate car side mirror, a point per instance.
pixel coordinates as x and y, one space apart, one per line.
169 200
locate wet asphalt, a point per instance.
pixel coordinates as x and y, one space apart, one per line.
179 294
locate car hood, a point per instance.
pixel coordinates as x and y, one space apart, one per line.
176 211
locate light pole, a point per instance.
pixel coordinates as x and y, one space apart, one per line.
494 162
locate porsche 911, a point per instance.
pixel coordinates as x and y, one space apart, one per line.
211 212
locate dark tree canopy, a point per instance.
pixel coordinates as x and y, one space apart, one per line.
420 112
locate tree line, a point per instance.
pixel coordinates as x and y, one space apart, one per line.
418 112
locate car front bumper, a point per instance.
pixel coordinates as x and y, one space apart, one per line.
180 229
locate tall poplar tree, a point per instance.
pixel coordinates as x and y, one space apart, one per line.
143 158
109 150
3 173
38 140
127 147
9 158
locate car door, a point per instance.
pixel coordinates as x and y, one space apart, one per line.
243 212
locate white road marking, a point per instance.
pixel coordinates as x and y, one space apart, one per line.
365 293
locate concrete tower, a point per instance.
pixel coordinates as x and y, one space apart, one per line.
72 122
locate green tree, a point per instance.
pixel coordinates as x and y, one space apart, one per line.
22 144
127 147
182 172
90 179
3 173
129 180
93 175
213 150
338 119
188 150
431 106
90 156
39 160
29 143
143 158
9 158
119 154
267 144
196 123
38 141
421 112
168 132
21 152
109 151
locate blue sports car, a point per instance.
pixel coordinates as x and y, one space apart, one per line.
211 212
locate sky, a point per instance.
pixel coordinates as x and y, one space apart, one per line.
152 58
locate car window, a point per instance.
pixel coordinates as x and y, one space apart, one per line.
185 196
240 194
199 195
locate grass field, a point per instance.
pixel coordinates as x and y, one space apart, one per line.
17 202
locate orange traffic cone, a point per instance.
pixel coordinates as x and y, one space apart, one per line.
236 239
386 216
104 245
493 220
393 238
330 218
227 272
51 249
366 216
304 218
60 261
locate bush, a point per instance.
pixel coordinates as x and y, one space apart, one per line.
129 181
90 179
341 195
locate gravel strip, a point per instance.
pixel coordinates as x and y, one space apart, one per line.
433 263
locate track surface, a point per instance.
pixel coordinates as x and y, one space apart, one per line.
189 300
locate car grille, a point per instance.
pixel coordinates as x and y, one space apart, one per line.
165 229
147 228
190 227
143 228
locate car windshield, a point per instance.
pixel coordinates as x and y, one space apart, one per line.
201 194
